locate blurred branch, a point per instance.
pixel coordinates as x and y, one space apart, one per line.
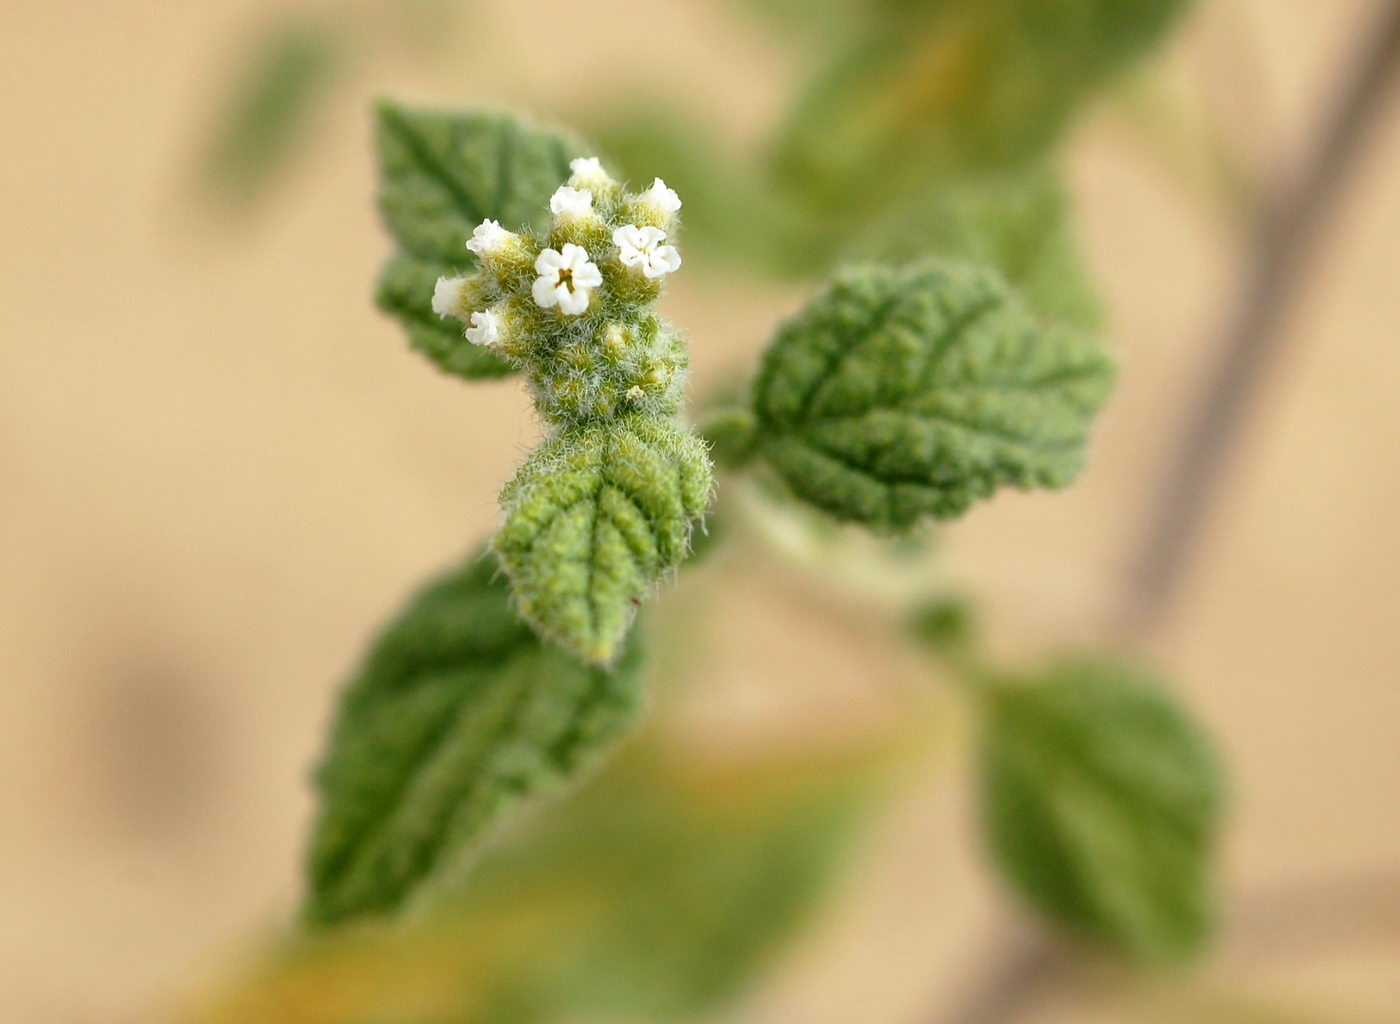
1286 248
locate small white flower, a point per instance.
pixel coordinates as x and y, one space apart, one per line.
636 393
447 296
485 329
565 279
588 170
489 238
661 197
568 202
641 248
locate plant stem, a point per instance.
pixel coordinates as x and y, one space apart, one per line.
1286 248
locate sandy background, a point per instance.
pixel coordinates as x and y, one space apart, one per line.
219 468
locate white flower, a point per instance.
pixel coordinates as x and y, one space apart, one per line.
570 202
447 296
661 197
588 170
635 393
566 278
489 238
485 329
641 248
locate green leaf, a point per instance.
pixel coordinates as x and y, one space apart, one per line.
401 289
592 519
441 174
1019 224
952 86
278 94
1101 802
658 890
901 393
458 713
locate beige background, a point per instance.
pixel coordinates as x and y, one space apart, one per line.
218 469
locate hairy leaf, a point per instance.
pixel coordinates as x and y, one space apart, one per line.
592 520
457 714
441 174
900 393
1101 802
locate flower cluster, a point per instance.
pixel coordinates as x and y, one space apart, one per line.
570 306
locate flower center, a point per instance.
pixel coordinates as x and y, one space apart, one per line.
566 279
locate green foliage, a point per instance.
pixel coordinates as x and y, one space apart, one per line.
1101 802
457 714
656 891
1016 223
901 393
948 87
442 173
593 518
273 103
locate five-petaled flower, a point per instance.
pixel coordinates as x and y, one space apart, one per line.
565 278
641 249
485 329
661 197
489 238
568 202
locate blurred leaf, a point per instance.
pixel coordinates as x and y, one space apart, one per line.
1018 223
402 286
457 714
441 174
592 519
658 891
943 87
1101 802
276 97
901 393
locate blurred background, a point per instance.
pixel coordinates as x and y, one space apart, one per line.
220 469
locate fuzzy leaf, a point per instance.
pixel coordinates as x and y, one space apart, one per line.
457 714
593 519
900 393
441 174
1101 802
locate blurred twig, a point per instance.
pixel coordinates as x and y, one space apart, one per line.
1286 247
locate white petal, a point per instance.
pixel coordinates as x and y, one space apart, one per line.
549 262
571 202
573 256
587 275
485 329
488 237
572 302
586 165
545 291
669 257
447 296
661 197
651 236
